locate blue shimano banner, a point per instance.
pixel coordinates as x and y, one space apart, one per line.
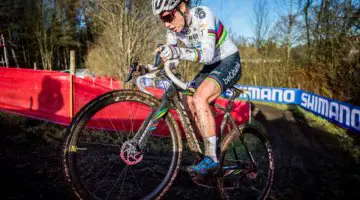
343 114
267 94
338 112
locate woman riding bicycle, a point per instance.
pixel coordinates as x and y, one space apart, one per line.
207 42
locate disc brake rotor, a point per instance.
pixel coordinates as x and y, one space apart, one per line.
130 152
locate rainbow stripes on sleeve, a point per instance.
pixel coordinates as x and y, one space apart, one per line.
197 56
211 33
219 33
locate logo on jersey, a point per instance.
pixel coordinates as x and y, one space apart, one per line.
200 13
232 73
193 38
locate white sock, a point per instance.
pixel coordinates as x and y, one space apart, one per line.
210 147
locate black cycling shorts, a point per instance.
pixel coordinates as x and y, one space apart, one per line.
224 73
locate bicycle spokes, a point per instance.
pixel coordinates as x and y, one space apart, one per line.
247 167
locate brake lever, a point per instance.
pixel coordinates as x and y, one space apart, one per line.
131 71
133 66
158 60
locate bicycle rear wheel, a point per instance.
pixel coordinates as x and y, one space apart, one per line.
247 165
92 161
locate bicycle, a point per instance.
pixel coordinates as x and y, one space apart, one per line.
143 146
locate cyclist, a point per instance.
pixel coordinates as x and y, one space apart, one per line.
207 42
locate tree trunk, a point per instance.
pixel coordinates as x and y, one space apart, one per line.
65 58
307 26
14 56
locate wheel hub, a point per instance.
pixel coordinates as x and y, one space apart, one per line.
130 152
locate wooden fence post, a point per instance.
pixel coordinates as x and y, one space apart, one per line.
72 71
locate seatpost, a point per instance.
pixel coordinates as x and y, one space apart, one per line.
234 94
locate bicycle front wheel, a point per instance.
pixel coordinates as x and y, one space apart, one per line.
247 165
94 162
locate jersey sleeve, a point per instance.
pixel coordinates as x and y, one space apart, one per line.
205 53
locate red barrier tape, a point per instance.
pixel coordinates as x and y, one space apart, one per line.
46 95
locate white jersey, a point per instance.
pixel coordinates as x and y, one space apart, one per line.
206 39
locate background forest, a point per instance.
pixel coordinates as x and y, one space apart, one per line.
314 44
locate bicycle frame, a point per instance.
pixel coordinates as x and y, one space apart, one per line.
96 161
172 96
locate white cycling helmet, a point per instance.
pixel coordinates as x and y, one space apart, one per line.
159 6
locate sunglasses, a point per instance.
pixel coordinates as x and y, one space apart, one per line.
169 17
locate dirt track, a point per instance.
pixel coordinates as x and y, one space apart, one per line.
309 162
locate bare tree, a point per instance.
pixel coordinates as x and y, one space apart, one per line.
122 36
306 9
261 26
287 25
52 28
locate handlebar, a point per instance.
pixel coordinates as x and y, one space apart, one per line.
150 75
168 66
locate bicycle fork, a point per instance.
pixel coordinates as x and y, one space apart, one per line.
132 150
150 124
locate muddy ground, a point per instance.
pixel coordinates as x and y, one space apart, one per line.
309 162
